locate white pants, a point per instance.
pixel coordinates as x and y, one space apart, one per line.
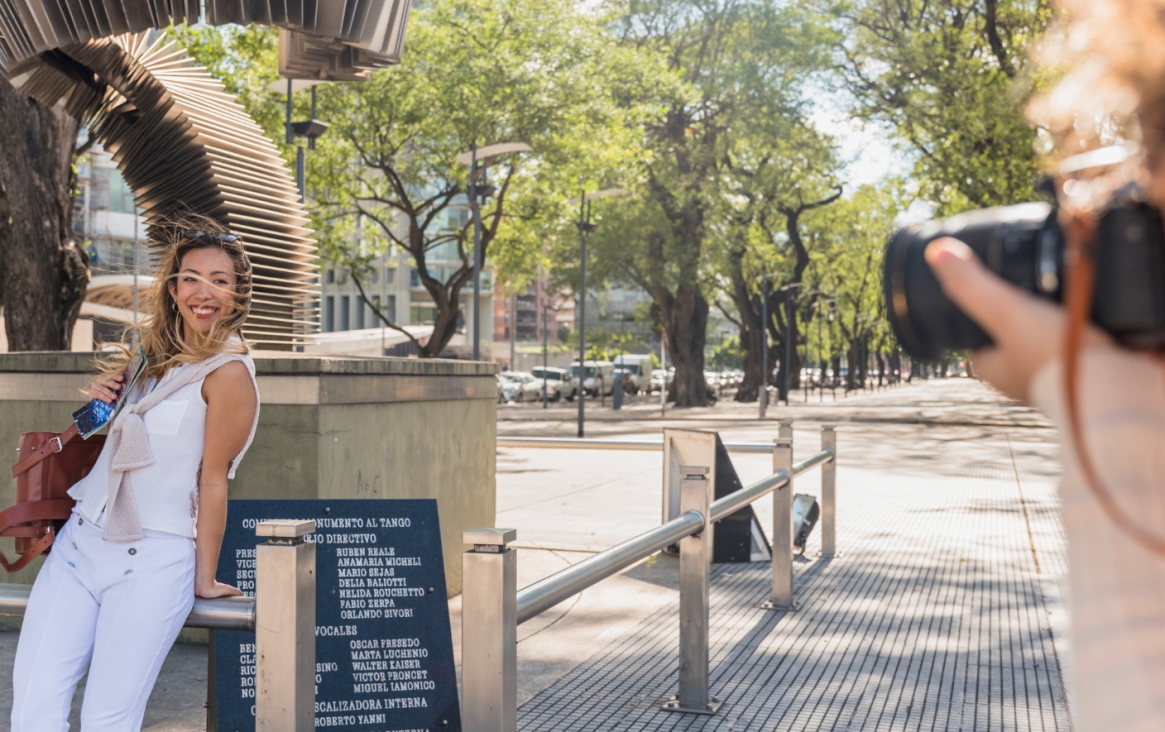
112 608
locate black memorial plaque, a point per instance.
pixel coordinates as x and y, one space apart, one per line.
384 651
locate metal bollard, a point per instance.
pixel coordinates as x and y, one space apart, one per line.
489 631
782 540
829 494
695 562
285 624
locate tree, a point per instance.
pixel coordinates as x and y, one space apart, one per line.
475 72
949 80
845 269
43 272
740 64
782 171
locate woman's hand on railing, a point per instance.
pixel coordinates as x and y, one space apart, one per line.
106 388
217 589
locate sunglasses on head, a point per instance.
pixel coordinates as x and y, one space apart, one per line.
194 234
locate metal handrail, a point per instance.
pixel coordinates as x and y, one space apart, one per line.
546 593
614 444
221 613
733 502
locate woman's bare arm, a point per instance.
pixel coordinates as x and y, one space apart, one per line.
230 411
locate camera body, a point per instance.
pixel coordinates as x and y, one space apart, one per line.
1025 245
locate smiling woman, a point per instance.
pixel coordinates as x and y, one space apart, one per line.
145 534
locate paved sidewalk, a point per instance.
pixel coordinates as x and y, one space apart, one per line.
942 611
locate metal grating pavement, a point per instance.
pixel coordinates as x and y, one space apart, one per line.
932 618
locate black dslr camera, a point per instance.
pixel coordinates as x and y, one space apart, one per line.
1024 245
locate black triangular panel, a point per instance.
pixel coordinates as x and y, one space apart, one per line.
737 535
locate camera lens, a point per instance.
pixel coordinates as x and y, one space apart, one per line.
1020 243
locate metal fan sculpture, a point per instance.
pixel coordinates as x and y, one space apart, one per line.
334 40
184 145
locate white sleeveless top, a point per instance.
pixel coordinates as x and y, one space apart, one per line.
166 492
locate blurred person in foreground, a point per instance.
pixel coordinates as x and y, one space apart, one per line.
1112 54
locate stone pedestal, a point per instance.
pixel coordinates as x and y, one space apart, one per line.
329 427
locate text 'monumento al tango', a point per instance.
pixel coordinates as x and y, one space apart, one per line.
384 652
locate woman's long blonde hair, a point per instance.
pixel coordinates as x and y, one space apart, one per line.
162 335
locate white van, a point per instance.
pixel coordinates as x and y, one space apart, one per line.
638 365
599 379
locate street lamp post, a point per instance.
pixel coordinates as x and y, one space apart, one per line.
546 308
585 227
763 398
484 191
310 128
790 329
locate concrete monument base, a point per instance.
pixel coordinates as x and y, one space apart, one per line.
329 427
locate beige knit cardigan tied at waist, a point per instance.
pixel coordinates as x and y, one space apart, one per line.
129 445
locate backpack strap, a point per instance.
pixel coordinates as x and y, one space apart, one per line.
53 509
33 552
51 447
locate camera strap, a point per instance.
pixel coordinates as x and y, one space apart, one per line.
1080 282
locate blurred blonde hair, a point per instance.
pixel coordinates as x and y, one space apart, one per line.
162 335
1106 59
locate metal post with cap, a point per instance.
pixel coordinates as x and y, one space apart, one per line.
285 620
489 654
829 493
695 561
782 538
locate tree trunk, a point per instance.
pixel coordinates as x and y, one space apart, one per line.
851 366
793 363
686 319
43 271
751 331
792 290
863 358
751 347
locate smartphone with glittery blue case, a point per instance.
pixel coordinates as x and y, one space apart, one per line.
96 414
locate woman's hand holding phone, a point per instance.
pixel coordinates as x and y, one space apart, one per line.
107 388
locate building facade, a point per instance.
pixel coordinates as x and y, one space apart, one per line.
394 288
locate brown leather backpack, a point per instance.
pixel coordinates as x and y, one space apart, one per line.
49 464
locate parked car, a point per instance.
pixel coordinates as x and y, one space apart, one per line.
600 375
509 389
531 388
559 384
657 378
638 367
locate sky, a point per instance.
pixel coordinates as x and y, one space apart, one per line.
866 148
868 152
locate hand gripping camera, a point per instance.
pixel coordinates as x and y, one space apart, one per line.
1025 245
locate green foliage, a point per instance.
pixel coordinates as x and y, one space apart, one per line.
738 72
948 78
474 72
701 110
845 272
728 354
